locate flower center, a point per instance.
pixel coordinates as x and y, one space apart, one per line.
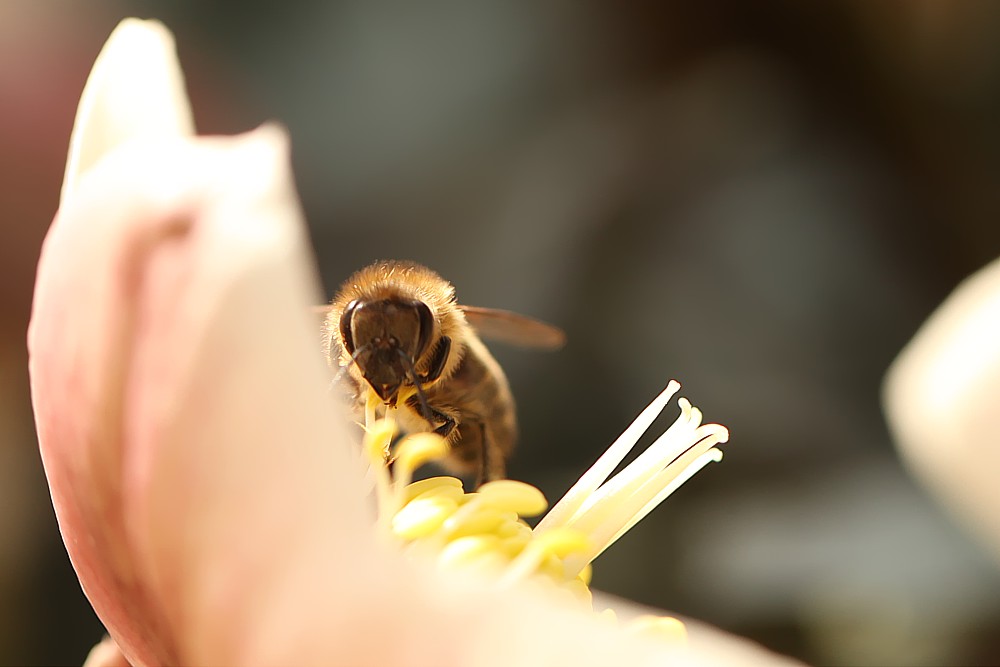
485 530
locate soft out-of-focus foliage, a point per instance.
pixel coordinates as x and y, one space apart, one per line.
764 200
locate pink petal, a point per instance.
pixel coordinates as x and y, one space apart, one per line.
177 380
241 477
80 334
942 396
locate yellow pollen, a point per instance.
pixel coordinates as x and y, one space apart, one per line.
484 531
514 496
659 627
422 517
432 485
465 550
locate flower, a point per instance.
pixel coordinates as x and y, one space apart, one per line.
940 398
435 517
203 479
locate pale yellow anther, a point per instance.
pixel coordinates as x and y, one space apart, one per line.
512 546
664 628
514 530
465 550
442 491
420 518
561 542
513 496
558 542
417 449
484 520
372 401
488 563
411 453
378 437
431 483
468 498
586 574
552 566
377 440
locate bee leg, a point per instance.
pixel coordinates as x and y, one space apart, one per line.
483 475
491 461
447 428
447 424
473 446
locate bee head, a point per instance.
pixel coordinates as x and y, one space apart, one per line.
387 338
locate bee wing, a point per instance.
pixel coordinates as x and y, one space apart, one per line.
505 326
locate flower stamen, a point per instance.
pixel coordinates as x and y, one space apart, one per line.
485 531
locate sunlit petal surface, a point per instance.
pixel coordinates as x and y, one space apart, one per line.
135 91
160 395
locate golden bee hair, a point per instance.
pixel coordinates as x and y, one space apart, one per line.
398 279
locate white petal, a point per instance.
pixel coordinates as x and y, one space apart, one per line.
706 645
942 398
135 90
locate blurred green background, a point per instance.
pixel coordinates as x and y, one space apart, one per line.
762 200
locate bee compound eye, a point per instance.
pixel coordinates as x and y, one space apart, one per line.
426 327
345 325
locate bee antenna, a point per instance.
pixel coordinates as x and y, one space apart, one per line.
416 383
343 369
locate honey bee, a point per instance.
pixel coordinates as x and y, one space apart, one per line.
396 329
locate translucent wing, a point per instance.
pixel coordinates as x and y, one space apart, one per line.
514 329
